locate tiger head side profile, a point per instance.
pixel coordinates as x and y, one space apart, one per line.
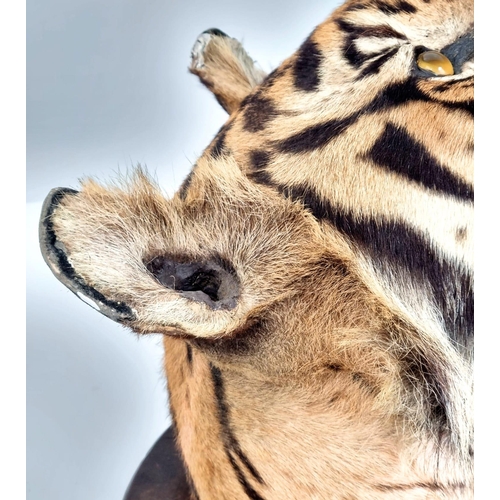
312 278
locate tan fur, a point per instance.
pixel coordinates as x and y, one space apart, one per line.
224 67
331 372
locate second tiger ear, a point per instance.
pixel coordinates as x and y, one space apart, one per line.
224 67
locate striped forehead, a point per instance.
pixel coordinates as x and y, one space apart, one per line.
352 65
419 22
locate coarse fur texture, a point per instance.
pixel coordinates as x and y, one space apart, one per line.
313 276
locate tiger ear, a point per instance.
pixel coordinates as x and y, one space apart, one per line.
224 67
203 266
172 293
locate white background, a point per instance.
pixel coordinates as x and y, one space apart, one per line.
107 88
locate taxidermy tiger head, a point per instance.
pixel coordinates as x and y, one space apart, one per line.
312 278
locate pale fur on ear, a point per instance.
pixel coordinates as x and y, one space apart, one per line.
110 235
224 67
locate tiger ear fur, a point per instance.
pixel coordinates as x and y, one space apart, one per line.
224 67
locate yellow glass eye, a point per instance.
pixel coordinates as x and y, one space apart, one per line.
435 62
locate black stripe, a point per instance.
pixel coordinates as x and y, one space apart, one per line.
306 67
395 95
247 463
224 419
261 177
408 91
396 247
259 159
258 111
349 48
393 246
425 368
377 31
315 137
219 146
353 32
399 7
231 444
251 493
393 243
397 151
189 354
356 6
374 66
445 86
466 83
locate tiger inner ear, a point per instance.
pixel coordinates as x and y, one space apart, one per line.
212 282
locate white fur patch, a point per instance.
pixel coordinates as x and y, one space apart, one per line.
197 60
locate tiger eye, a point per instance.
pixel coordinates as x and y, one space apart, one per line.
435 62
